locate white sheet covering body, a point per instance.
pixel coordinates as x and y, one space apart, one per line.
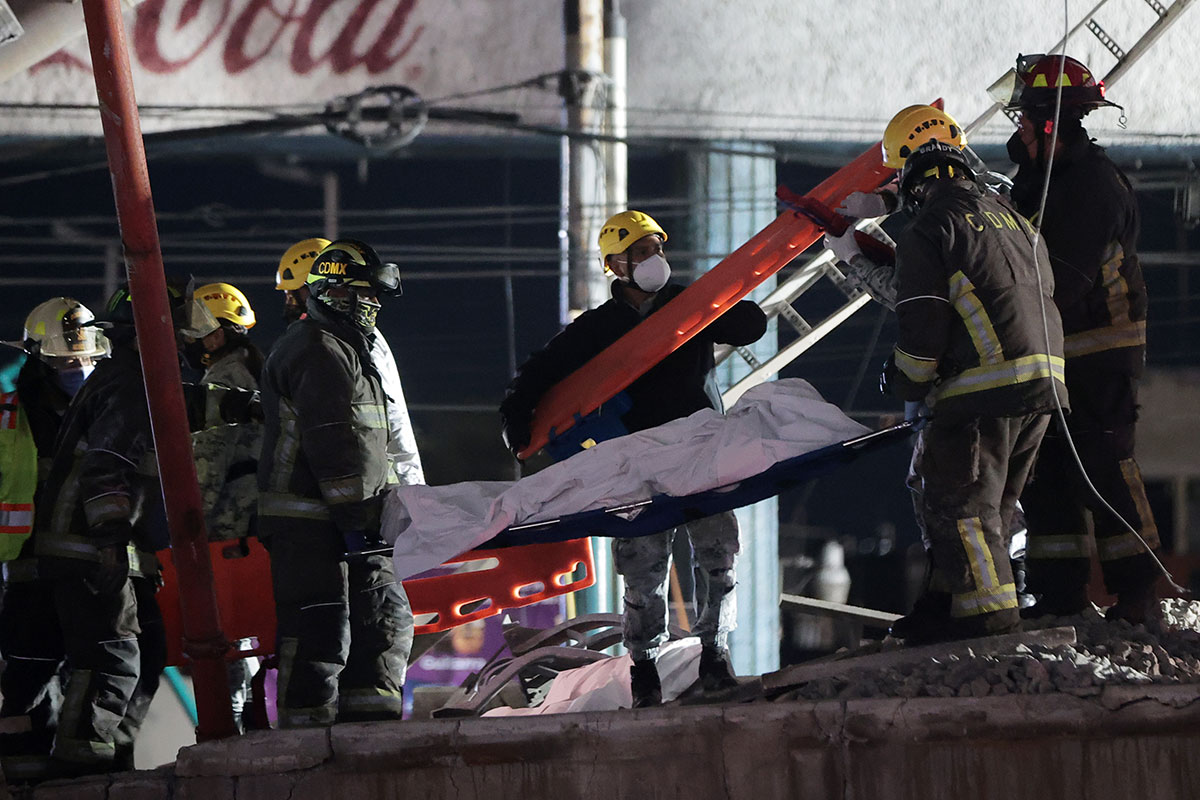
770 423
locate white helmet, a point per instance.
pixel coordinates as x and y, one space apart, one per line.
59 328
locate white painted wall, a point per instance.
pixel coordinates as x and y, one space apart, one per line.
810 70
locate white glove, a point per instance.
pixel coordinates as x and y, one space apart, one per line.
844 246
864 205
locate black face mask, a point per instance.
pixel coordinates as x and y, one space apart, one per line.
1017 152
194 353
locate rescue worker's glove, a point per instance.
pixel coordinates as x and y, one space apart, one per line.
112 569
844 247
887 377
360 543
241 405
865 205
516 434
916 412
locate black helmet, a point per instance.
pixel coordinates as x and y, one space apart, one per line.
347 262
189 316
933 160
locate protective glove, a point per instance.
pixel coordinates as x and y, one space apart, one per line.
516 435
864 205
887 376
357 542
241 405
917 412
844 247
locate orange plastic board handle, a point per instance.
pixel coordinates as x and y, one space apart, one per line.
247 604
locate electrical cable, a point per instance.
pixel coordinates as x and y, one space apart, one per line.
1060 414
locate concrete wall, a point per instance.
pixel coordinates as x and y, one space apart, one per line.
807 70
1127 742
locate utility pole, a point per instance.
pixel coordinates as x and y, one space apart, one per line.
583 200
204 641
616 153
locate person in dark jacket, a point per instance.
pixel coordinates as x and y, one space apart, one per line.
631 244
62 349
1090 224
96 546
974 346
345 625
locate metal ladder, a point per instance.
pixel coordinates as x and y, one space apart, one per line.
781 303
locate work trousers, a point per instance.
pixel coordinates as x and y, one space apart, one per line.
645 564
966 476
31 644
116 651
1064 519
345 630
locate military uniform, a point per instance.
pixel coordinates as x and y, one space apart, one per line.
345 626
226 468
95 545
679 385
971 345
1090 226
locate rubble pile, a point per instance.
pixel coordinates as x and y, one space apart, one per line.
1105 653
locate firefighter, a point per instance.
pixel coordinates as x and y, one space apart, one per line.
95 543
61 351
1090 225
345 625
227 455
631 247
972 347
403 455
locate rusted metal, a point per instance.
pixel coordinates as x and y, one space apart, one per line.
160 364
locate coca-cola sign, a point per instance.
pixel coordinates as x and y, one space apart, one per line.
337 36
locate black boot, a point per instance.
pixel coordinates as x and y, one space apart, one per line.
644 684
1065 601
1138 605
930 613
715 671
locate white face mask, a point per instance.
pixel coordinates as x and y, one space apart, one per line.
652 274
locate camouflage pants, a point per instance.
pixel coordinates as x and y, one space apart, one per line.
645 563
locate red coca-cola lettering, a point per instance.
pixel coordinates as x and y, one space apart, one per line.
234 55
352 46
149 20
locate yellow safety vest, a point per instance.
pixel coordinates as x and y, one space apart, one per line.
18 477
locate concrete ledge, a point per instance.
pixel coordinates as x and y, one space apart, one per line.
1127 742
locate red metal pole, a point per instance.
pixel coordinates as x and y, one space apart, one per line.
203 640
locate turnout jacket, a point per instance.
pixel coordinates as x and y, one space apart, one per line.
1091 227
324 453
971 340
103 471
679 385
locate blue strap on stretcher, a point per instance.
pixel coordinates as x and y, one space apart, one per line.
664 511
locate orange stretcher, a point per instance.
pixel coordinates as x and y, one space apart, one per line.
660 334
492 581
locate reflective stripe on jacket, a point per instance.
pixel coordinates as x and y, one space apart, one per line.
326 437
18 477
971 339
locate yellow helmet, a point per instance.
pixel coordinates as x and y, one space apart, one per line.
623 229
913 127
296 262
226 302
62 327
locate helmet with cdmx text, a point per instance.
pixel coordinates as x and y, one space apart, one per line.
623 229
296 262
347 276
